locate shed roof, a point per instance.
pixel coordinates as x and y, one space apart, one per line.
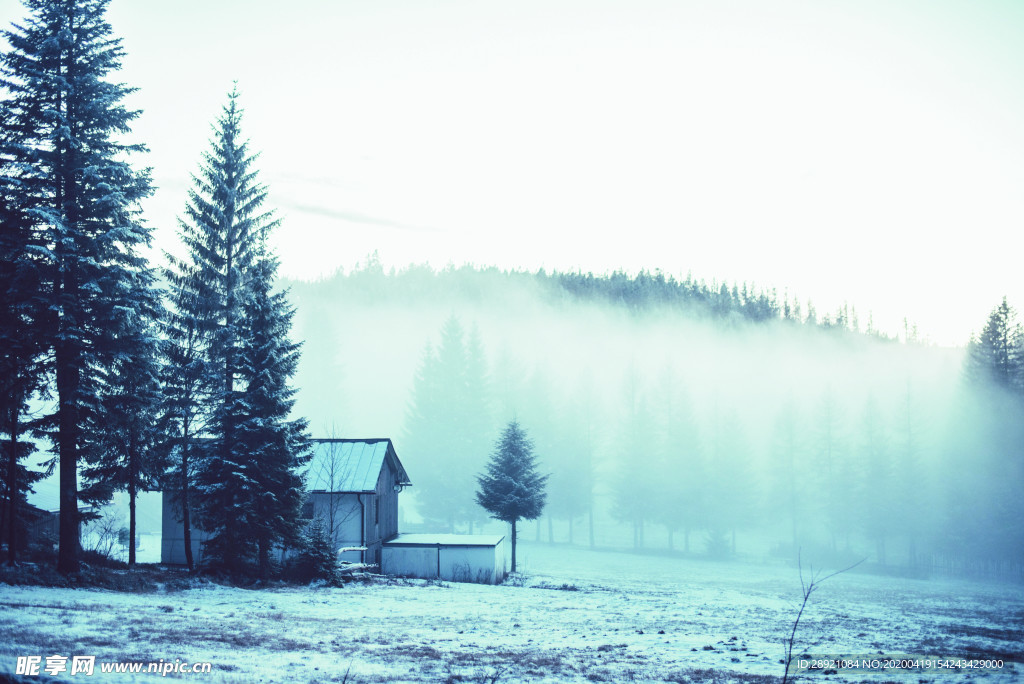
445 540
351 465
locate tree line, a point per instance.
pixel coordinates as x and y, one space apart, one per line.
639 293
139 377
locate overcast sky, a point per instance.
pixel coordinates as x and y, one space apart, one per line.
844 150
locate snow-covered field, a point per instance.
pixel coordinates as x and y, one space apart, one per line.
578 616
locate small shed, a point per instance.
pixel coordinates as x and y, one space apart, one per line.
453 557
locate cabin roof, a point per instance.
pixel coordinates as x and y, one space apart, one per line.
351 465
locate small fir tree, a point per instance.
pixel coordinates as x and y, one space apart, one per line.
316 559
511 489
126 453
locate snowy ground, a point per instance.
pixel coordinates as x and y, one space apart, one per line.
579 616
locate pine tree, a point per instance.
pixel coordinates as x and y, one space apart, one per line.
997 355
316 559
448 419
574 472
875 493
636 486
126 454
788 469
540 407
832 470
679 459
477 420
66 122
511 489
23 313
223 225
186 393
730 483
278 446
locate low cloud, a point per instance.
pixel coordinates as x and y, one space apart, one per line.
353 217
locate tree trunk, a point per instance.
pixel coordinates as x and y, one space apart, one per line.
67 355
186 517
132 491
12 486
264 557
551 530
513 546
67 390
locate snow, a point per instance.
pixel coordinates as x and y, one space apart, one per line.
575 615
448 539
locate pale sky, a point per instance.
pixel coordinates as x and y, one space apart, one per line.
857 150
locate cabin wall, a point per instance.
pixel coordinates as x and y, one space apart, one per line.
381 515
468 564
410 561
388 503
453 563
500 558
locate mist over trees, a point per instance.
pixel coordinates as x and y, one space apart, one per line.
673 424
665 412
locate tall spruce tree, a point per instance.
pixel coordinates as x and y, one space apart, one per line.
447 421
278 446
511 489
65 122
245 478
22 313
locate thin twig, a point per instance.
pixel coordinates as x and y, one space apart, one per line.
807 589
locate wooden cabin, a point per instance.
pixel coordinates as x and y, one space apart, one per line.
352 488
